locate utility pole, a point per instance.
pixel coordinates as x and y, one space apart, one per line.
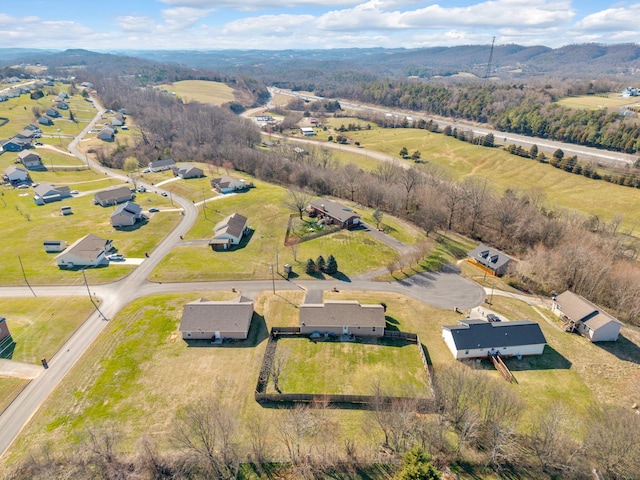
204 205
277 263
25 277
273 278
91 296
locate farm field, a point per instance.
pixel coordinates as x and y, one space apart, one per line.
268 216
202 91
612 101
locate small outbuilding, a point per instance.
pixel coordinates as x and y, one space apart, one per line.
54 246
582 316
208 320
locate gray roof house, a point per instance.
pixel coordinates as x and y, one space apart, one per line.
162 165
209 320
228 184
228 232
16 175
30 160
44 120
480 338
491 259
52 112
334 213
586 318
47 193
114 196
88 251
26 133
126 215
107 134
188 171
118 120
342 317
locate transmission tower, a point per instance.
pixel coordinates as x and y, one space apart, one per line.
486 74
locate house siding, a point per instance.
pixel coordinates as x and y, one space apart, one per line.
524 350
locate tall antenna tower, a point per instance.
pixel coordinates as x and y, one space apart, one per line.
486 74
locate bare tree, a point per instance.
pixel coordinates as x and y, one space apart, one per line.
454 196
294 428
476 198
298 200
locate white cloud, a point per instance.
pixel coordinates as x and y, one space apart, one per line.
183 17
612 19
135 24
247 5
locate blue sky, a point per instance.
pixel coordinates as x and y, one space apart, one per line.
282 24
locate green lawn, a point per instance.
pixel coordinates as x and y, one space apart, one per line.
350 368
27 225
202 91
612 101
356 251
9 388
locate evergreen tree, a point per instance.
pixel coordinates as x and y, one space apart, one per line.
404 152
416 465
320 263
332 265
533 151
311 267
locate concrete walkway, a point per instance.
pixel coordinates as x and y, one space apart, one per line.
9 368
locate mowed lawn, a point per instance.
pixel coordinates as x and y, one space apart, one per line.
26 226
612 101
9 389
265 207
349 368
202 91
461 160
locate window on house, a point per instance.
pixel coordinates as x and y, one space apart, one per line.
373 329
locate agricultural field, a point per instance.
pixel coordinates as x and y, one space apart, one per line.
203 91
265 207
612 101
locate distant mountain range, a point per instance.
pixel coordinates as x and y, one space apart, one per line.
586 61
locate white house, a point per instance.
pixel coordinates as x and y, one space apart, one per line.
586 318
89 251
229 232
228 184
480 339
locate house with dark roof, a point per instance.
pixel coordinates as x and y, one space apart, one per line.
16 144
114 196
47 193
582 316
62 105
16 175
30 160
228 184
44 120
334 213
126 215
33 127
88 251
26 133
491 260
229 232
342 317
188 171
209 320
52 112
162 165
5 335
481 339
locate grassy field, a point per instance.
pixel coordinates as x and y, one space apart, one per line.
9 388
135 372
612 101
201 91
350 368
265 207
27 225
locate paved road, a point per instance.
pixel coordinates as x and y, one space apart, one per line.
596 154
446 289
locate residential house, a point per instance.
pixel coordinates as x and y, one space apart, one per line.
586 318
31 160
334 213
47 193
62 105
209 320
3 98
342 317
16 175
33 127
4 331
44 120
162 165
16 144
229 232
52 112
88 251
127 215
114 196
307 131
117 120
26 133
188 171
54 246
107 134
480 338
491 260
228 184
36 95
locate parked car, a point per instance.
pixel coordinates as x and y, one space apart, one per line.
39 144
154 210
23 186
493 317
115 257
146 170
142 189
74 192
164 194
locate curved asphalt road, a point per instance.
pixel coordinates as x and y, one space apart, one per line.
446 289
